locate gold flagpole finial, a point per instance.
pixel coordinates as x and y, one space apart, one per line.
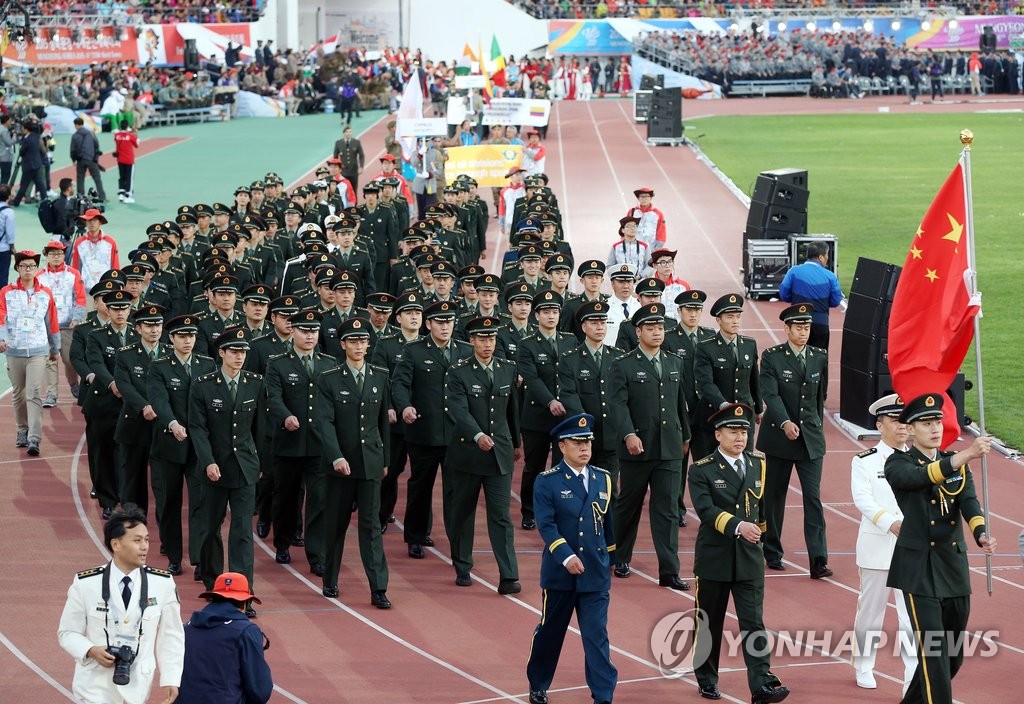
966 138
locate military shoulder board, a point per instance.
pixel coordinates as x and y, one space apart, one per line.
90 572
549 471
868 452
158 572
758 454
706 460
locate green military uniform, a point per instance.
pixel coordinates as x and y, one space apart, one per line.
225 432
291 385
584 384
680 341
650 403
482 402
352 419
380 227
134 433
929 562
101 406
726 373
172 461
726 562
79 338
793 389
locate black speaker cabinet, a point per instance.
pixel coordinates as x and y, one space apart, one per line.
789 177
658 127
858 390
774 217
875 279
864 352
867 316
761 233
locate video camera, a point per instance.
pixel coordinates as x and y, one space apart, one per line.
82 202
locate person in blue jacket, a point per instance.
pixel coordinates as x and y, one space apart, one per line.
224 662
570 503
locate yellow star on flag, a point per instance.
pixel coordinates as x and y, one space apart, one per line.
931 275
919 231
956 230
915 252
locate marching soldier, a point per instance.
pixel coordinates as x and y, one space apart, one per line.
486 305
381 228
727 489
574 498
537 359
880 524
352 418
388 352
648 291
726 367
482 404
255 305
102 405
623 304
224 290
224 422
519 302
583 376
134 431
683 340
591 273
649 417
934 489
291 384
417 393
793 380
171 456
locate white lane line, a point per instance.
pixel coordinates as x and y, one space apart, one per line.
390 634
16 652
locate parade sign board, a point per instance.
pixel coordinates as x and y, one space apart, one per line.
487 163
517 111
422 127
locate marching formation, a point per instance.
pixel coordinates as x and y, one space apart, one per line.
290 355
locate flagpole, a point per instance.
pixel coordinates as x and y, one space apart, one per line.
966 139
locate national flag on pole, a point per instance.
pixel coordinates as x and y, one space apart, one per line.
465 65
497 63
488 91
410 109
931 323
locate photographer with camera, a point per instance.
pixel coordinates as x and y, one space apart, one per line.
122 620
85 153
224 649
31 155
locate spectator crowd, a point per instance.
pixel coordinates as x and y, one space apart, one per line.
149 12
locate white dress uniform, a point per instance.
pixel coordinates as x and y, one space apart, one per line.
161 643
616 314
875 500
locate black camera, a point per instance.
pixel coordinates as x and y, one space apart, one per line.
123 659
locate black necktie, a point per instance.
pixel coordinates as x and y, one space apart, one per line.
188 369
307 362
735 352
359 382
447 354
583 483
800 359
233 388
625 310
490 374
739 469
152 355
597 358
126 591
656 361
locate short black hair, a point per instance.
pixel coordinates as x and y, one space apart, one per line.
4 119
128 516
816 249
123 124
64 184
5 192
79 121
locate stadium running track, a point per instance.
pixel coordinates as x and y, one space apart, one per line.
445 644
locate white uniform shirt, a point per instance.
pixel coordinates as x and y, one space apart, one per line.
877 504
616 314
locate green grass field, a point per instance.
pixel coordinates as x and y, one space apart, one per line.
872 177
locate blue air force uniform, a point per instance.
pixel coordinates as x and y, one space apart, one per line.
573 519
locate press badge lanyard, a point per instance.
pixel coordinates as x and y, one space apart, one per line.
143 599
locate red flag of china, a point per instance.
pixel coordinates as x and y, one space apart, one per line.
931 324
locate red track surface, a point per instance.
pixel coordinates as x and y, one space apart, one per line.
109 160
445 644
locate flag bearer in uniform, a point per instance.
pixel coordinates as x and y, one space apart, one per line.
571 501
934 489
726 489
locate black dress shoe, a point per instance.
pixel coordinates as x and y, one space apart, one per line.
709 691
463 580
283 557
197 576
298 542
775 564
428 542
108 512
768 694
330 592
820 570
416 551
92 493
538 697
391 518
672 581
250 612
174 568
529 524
380 599
622 570
317 568
682 520
509 586
262 529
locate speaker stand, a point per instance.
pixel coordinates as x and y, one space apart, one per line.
855 431
667 141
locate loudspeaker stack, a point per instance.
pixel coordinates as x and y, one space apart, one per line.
665 119
778 207
864 360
